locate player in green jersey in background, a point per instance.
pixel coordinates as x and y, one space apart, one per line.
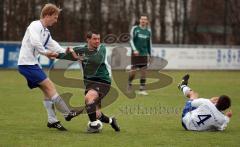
141 53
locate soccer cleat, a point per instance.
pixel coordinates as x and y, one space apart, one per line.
143 92
184 81
73 114
56 125
115 125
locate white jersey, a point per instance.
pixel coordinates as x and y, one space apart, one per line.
205 117
37 40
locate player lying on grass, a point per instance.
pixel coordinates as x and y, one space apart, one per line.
97 79
201 114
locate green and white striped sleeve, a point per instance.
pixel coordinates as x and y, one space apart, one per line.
132 35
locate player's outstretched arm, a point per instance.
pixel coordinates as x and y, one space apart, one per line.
51 55
66 56
72 54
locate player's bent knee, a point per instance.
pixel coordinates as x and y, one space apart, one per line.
47 84
91 94
89 100
91 97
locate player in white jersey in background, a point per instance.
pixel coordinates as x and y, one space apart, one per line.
201 114
37 40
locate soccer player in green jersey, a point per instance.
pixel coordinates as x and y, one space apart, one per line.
141 53
97 79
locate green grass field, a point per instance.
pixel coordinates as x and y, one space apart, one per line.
23 117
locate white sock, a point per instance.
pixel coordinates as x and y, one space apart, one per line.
48 104
142 88
110 120
94 123
185 90
60 104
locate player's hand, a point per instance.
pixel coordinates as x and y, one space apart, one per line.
214 100
69 50
74 55
135 53
229 114
51 55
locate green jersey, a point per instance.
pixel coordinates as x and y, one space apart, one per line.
95 66
141 40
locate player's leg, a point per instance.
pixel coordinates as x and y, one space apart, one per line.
51 94
132 73
49 90
142 89
187 91
103 91
34 76
131 76
52 99
99 91
91 107
109 120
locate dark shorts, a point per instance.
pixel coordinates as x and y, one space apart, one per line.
100 87
139 61
33 74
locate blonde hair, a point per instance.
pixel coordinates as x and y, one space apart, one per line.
49 9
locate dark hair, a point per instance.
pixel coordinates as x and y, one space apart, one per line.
223 103
143 14
90 33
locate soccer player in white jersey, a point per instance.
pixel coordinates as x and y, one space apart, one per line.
201 114
38 41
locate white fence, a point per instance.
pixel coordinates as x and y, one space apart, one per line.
177 58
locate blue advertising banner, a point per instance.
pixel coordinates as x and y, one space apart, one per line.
9 56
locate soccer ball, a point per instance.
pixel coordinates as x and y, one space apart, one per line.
98 123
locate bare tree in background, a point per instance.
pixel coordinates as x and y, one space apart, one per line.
111 19
194 21
10 32
153 20
144 6
191 22
137 9
96 17
131 13
185 21
163 21
83 23
176 22
124 18
234 6
1 19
